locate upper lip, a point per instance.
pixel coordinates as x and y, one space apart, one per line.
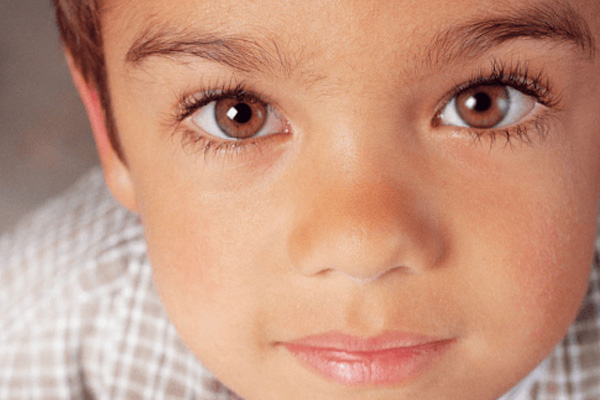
335 340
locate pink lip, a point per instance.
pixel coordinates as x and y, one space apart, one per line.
387 359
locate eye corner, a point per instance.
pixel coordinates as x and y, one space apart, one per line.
438 116
437 120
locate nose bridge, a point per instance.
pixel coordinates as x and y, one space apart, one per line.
356 219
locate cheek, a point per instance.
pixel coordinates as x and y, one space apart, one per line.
190 248
205 256
552 260
547 275
532 248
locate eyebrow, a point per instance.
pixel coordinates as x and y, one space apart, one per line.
558 22
240 52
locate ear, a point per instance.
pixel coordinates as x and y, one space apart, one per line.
116 173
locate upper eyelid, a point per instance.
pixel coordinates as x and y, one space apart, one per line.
522 86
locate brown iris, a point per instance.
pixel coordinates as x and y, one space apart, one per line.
240 119
483 106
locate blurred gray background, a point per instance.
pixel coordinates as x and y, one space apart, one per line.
45 141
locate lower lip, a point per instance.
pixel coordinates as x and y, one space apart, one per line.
384 367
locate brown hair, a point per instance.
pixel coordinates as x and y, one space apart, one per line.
80 32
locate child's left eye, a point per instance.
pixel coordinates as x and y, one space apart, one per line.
233 119
487 107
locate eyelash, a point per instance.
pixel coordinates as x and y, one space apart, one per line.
189 104
519 77
516 75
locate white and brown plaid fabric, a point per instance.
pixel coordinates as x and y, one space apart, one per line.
80 318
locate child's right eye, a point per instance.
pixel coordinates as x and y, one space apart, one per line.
233 118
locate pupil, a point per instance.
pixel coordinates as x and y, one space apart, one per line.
240 113
483 102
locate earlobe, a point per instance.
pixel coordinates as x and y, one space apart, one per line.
116 173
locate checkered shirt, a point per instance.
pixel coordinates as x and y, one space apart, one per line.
81 319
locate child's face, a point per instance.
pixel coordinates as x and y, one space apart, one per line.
369 193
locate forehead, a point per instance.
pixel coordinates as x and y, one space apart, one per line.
332 32
322 20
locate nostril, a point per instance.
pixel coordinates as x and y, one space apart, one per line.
368 278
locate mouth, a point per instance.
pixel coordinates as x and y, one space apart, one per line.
388 359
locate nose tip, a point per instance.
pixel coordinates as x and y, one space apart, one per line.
367 257
365 239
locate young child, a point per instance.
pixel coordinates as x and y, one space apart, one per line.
357 199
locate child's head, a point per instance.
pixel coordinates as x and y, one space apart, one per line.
421 173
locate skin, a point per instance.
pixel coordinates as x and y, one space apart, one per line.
366 218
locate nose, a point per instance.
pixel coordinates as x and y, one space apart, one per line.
363 225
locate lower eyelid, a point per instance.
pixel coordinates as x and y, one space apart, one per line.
199 144
536 128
